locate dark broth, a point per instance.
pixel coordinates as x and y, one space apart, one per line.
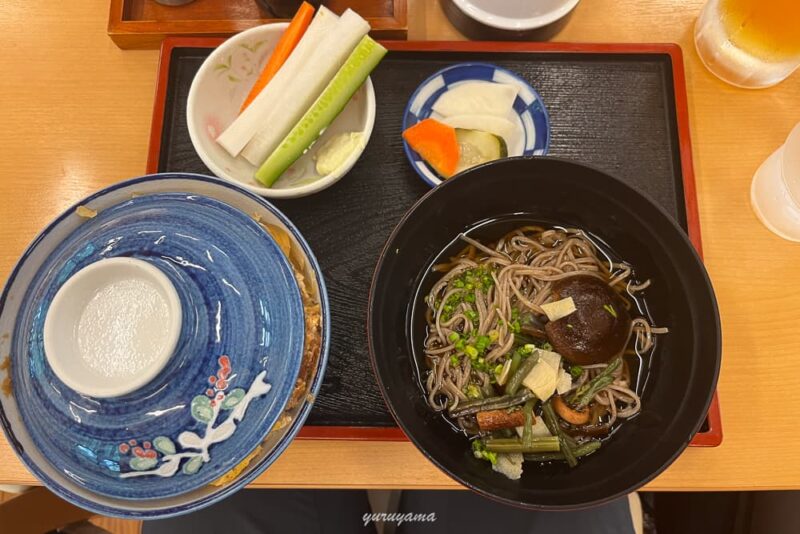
488 232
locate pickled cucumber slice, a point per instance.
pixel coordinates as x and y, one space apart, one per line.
478 147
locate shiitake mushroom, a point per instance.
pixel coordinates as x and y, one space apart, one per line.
598 328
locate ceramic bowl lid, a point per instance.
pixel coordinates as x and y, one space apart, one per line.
231 374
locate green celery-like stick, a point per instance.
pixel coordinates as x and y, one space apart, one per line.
364 58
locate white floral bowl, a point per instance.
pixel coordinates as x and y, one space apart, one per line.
217 92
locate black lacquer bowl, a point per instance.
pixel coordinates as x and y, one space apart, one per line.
684 366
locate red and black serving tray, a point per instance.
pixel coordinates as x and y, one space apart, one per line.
619 107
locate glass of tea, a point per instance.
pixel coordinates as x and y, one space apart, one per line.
749 43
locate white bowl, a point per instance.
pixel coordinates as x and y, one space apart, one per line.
217 92
112 327
516 15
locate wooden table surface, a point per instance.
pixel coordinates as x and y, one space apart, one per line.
76 113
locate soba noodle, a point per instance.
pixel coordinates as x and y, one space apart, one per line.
494 295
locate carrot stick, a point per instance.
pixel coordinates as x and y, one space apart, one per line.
294 32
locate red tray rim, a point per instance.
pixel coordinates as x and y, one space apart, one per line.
711 437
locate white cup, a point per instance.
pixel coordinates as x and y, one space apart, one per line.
112 327
775 192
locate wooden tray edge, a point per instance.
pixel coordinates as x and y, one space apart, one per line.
150 34
713 436
710 438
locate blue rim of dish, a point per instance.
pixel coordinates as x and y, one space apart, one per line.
542 115
279 447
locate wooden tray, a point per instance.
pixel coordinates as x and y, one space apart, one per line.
621 108
145 23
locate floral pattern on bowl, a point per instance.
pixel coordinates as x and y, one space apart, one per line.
242 67
205 409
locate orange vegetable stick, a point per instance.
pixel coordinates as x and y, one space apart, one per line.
294 32
436 143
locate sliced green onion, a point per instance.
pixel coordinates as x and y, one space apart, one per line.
480 452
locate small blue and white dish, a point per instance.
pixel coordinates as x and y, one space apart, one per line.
155 451
529 113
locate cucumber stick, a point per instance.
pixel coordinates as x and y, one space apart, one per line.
306 86
355 70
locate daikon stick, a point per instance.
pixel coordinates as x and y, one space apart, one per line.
305 88
252 119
